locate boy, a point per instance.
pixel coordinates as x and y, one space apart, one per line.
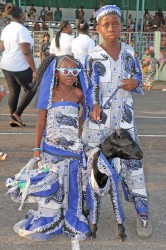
115 74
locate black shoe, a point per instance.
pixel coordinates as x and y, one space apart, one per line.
15 121
12 124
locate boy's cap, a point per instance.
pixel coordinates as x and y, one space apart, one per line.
106 9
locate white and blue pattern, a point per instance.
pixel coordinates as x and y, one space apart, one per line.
56 185
106 75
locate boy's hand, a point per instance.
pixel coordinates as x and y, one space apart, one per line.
95 114
129 84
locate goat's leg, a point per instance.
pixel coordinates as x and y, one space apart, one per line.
121 229
100 178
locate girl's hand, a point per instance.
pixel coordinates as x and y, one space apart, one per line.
129 84
36 153
95 114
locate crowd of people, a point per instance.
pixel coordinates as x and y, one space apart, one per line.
81 104
151 23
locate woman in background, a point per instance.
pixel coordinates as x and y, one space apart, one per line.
17 64
61 44
82 44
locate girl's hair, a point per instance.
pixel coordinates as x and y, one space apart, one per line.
63 25
46 34
83 26
16 11
40 72
61 58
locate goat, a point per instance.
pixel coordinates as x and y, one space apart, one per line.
118 144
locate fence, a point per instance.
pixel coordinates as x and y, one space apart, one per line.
140 41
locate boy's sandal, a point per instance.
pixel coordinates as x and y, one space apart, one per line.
2 156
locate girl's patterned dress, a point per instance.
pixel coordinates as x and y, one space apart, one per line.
150 74
56 185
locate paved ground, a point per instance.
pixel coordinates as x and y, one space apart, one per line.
18 143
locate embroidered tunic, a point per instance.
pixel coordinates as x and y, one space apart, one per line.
106 75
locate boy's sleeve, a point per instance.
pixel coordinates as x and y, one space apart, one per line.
137 74
93 93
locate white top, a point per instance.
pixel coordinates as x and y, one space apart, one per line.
81 45
65 42
13 35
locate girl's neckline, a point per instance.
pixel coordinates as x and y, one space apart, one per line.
65 103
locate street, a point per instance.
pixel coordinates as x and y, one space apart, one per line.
150 112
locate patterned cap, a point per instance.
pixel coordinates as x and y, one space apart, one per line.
106 9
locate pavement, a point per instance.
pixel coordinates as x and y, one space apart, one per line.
150 111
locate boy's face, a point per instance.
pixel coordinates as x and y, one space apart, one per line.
110 27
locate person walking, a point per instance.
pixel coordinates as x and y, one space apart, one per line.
61 44
112 93
56 185
17 64
82 44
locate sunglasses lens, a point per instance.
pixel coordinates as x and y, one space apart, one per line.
65 71
75 72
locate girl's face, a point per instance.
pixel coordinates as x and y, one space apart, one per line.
68 29
110 27
46 39
67 80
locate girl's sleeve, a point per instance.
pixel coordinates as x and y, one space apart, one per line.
137 74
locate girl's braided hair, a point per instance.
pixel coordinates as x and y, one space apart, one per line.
63 25
40 72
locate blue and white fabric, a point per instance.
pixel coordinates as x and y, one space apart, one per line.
56 184
106 75
107 9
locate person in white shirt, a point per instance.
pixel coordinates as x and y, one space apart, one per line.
82 44
61 44
17 64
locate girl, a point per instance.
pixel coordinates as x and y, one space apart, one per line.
56 186
44 47
61 44
115 74
152 65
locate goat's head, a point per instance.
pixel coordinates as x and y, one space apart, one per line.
120 144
